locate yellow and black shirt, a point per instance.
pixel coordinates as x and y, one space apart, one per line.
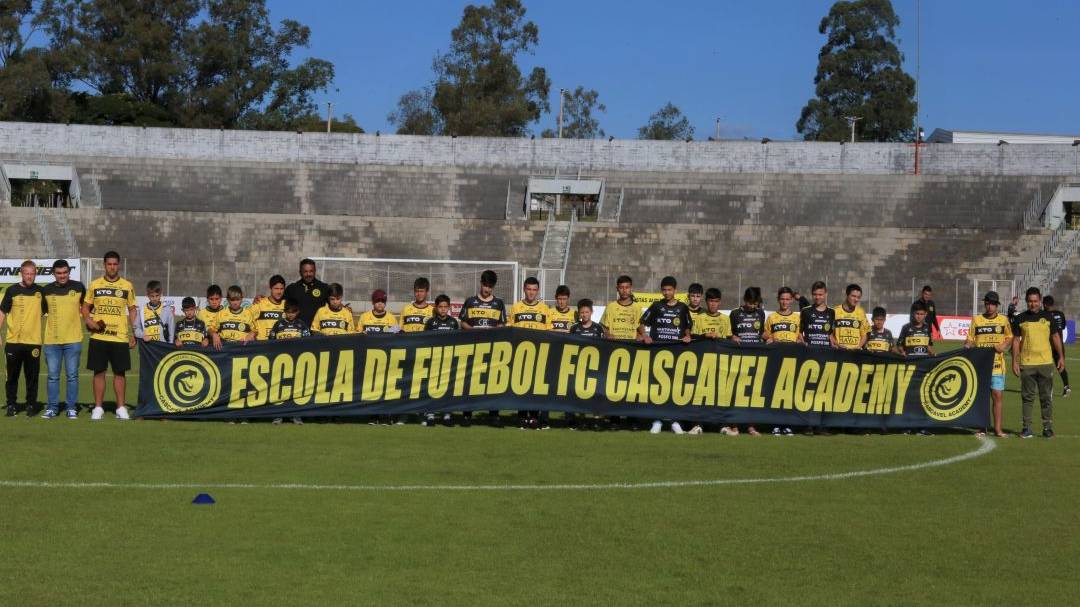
480 313
234 326
915 341
850 327
289 329
265 315
720 324
153 320
210 316
414 317
441 323
561 320
879 341
748 325
329 322
191 332
667 323
989 333
783 327
1035 328
24 307
622 320
64 324
110 301
817 325
529 315
374 324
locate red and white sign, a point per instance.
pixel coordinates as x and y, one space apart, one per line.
954 328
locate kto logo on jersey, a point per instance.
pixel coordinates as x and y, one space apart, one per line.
185 381
948 390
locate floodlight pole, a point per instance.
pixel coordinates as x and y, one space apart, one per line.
718 128
561 91
851 121
329 114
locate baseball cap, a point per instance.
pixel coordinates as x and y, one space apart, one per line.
378 295
992 297
188 302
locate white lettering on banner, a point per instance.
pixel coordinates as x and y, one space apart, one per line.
10 274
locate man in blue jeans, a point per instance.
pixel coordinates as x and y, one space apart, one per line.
63 338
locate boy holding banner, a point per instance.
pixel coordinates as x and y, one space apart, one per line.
667 322
992 330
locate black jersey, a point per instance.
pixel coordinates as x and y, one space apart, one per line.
480 313
882 341
191 332
290 329
667 323
817 326
594 330
915 341
1060 321
441 324
749 327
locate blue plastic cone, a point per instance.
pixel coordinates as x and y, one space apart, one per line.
203 498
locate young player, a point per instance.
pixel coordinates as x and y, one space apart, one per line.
879 339
441 320
1060 323
816 322
668 321
622 316
916 341
585 327
289 326
712 324
377 321
154 321
748 327
850 328
782 326
992 330
235 323
109 312
694 294
190 331
483 311
414 315
209 313
266 311
562 315
333 318
531 313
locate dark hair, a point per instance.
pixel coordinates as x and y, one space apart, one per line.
421 283
1048 300
277 279
783 290
624 279
235 291
60 264
818 285
441 297
668 281
695 288
562 290
111 255
154 286
926 288
752 295
291 304
307 261
187 302
878 312
584 303
334 290
532 280
488 278
213 290
852 287
712 293
918 307
1032 291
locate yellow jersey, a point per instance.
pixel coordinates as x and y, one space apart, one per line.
64 325
850 327
152 322
372 324
989 333
622 320
708 323
413 317
210 317
329 322
110 301
529 316
1036 329
265 314
561 320
24 307
783 328
233 326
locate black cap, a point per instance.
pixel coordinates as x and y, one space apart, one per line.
188 302
992 297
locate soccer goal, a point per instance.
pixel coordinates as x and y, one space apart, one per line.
979 286
456 278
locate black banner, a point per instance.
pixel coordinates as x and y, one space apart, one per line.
511 369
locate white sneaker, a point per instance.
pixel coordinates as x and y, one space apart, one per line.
97 414
676 427
122 414
776 431
729 431
657 426
697 429
277 421
298 421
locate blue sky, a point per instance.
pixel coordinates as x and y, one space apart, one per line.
986 65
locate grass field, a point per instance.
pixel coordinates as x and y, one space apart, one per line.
370 525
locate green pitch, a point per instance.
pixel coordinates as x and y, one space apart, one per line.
999 527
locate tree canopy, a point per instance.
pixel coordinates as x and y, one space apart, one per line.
667 123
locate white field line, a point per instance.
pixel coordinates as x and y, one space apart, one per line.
986 445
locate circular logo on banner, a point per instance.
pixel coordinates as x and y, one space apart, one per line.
948 390
184 381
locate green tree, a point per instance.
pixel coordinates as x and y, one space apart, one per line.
416 114
578 119
667 123
479 88
29 75
860 74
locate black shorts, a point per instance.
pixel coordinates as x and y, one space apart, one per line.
103 354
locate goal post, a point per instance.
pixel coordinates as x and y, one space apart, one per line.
457 278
